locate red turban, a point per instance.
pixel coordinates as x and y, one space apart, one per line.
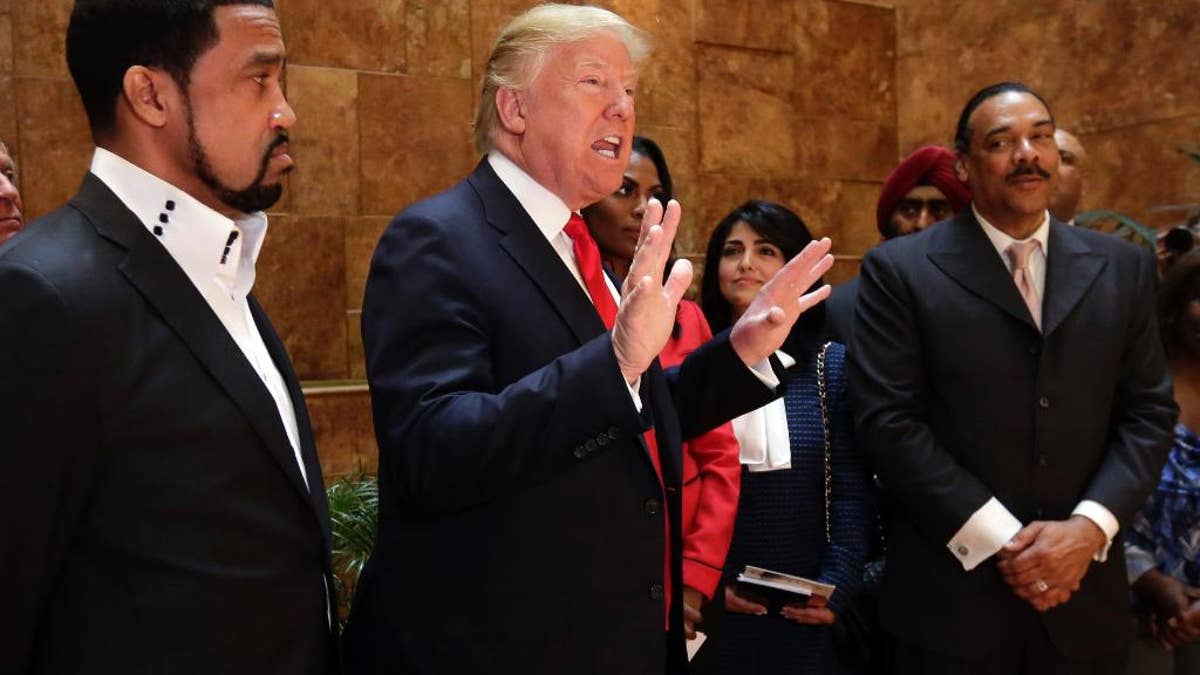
928 165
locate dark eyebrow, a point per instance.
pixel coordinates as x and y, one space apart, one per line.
997 130
266 58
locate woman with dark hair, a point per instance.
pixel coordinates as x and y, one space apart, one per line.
711 475
805 506
1162 547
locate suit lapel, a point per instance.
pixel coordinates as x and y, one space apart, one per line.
152 271
962 250
1071 268
308 445
528 247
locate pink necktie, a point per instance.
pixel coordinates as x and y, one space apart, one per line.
1019 253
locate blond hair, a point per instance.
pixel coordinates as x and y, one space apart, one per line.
520 51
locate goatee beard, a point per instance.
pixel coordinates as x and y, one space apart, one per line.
256 197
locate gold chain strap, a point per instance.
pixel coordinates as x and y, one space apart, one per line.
828 438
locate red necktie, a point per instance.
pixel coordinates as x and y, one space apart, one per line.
587 258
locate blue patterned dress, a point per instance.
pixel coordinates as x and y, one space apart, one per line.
1168 526
781 526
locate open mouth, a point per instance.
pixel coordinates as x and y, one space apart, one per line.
609 146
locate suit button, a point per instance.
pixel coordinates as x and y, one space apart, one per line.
1037 514
651 506
1043 402
1035 349
1043 460
656 592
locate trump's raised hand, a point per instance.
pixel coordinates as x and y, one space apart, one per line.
647 312
780 302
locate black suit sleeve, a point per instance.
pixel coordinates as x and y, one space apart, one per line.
47 449
890 407
450 435
1143 412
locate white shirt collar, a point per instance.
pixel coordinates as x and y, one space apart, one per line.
194 235
1002 241
546 209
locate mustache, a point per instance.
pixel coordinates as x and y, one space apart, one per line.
1028 170
281 139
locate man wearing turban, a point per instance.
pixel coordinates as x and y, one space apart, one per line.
922 190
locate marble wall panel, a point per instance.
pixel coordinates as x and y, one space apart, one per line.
8 121
845 61
758 24
439 38
666 90
814 200
834 147
415 139
679 148
362 234
928 26
6 44
1138 61
324 141
488 17
39 37
852 217
342 429
927 102
301 284
354 347
746 120
359 34
844 269
55 145
1133 170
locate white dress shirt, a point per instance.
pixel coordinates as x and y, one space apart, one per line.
993 525
218 256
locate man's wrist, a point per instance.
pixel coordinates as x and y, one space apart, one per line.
1091 530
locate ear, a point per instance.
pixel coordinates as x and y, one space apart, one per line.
960 166
150 94
511 110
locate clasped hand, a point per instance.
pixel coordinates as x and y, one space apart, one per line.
1045 563
647 312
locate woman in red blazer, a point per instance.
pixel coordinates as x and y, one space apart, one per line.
711 472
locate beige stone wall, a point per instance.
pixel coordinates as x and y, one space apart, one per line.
1124 76
808 102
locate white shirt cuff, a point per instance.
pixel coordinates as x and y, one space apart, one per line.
1138 561
633 394
766 374
984 534
1104 519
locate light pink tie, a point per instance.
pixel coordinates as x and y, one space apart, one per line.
1019 253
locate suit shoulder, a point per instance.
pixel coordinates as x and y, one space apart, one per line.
1104 242
60 245
455 205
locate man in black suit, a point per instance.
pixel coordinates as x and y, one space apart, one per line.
162 500
1010 386
528 523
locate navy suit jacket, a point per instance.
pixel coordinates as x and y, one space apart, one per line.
958 398
157 521
521 521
